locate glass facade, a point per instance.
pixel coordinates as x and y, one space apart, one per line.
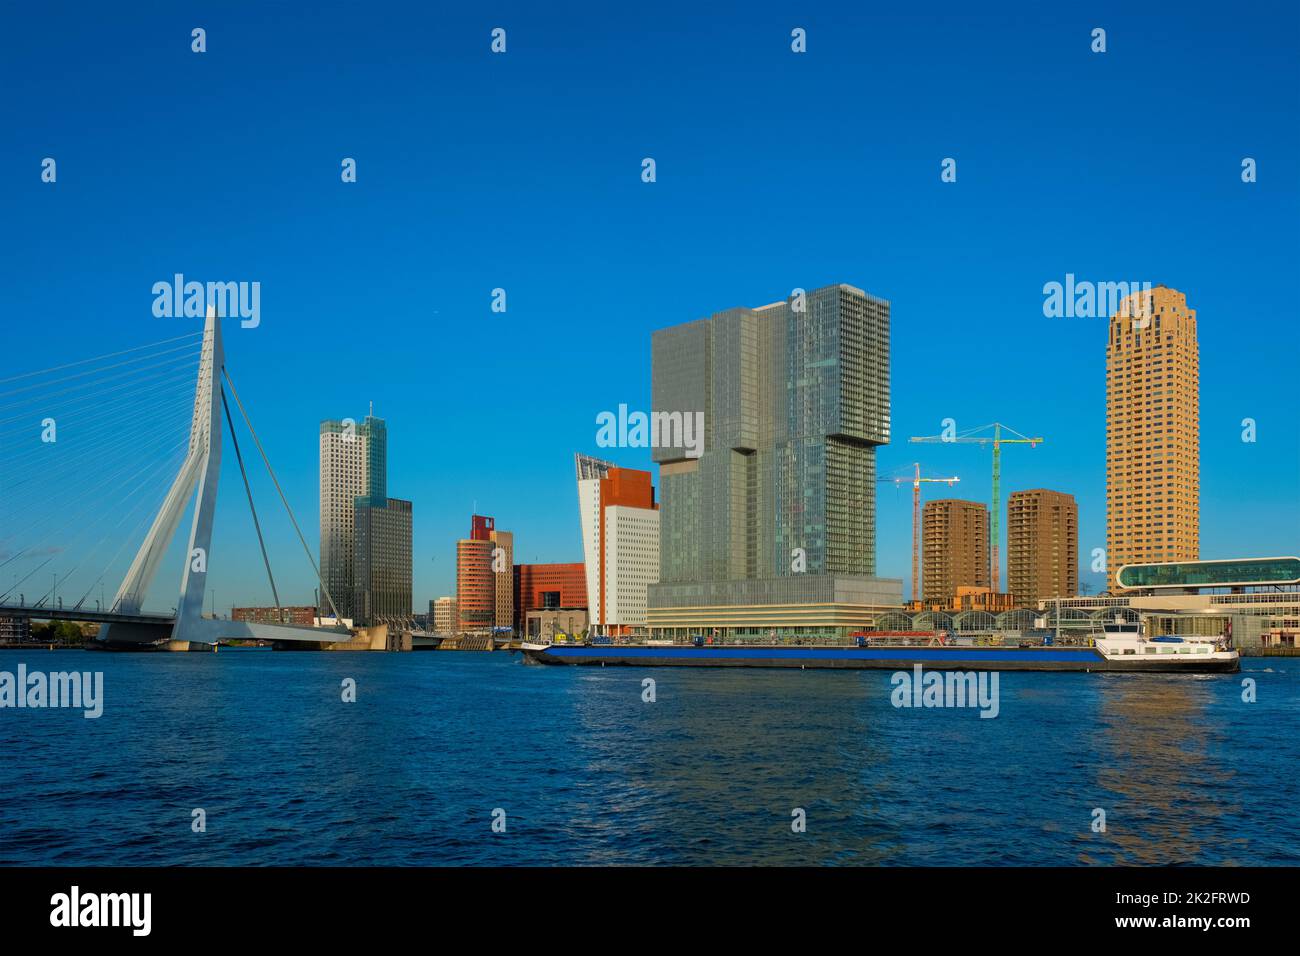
1209 574
364 545
795 397
383 561
376 434
353 464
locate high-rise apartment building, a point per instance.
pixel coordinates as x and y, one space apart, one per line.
1153 466
353 464
770 528
1042 546
620 541
954 548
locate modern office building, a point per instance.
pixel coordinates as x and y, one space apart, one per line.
1153 476
503 556
548 587
485 578
620 541
445 617
954 548
767 528
365 543
353 464
1042 546
475 586
382 569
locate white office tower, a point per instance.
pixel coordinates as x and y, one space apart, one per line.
620 543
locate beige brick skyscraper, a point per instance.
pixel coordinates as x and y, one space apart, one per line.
954 547
1153 461
505 578
1042 546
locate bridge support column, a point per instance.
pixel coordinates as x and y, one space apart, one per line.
200 470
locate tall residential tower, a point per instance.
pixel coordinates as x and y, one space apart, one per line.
1153 471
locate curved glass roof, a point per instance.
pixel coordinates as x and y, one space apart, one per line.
1211 574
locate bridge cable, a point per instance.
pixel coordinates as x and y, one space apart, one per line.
102 412
234 393
164 467
151 507
96 358
97 397
98 501
49 593
104 368
136 533
90 445
19 582
251 507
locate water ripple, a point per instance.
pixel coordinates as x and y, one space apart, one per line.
586 773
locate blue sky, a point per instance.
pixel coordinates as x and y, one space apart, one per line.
775 170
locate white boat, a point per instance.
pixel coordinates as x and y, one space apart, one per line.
1130 647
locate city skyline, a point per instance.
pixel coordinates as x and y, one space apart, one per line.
444 439
963 264
1093 582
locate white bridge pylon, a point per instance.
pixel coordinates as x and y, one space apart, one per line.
197 479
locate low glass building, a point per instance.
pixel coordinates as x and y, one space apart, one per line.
1255 600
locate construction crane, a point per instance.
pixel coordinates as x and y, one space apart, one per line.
997 441
916 521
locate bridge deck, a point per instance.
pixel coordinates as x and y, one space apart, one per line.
210 630
83 614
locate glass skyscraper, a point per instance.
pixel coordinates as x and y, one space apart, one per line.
365 536
795 401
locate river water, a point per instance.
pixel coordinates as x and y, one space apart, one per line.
575 767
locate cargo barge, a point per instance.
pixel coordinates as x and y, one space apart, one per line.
1120 651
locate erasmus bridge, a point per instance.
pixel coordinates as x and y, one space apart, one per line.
99 454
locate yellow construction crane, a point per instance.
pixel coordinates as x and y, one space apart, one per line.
916 521
996 439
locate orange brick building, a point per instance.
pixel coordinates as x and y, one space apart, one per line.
475 585
548 587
